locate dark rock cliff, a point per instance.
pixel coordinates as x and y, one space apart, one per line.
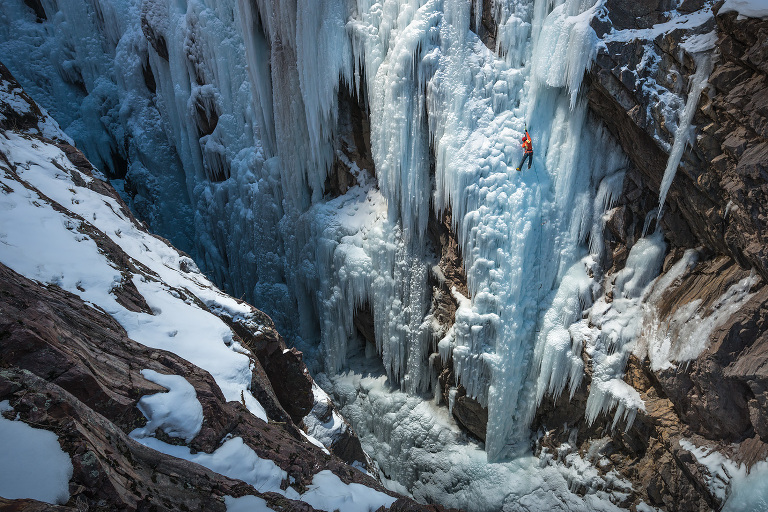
716 204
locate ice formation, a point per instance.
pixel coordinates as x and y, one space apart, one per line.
420 450
228 118
698 82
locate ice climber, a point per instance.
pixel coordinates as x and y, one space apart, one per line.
528 148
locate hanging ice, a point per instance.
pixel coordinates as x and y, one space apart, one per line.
248 106
698 82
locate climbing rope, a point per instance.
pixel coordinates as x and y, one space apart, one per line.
537 327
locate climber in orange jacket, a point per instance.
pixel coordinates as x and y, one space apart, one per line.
528 148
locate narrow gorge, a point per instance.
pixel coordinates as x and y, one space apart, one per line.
407 321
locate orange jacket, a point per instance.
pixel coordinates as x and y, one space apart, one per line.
527 146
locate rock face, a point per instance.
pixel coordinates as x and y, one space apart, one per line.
718 196
716 204
447 278
70 368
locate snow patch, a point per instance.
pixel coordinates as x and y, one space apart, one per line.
746 8
742 489
32 463
178 412
52 247
246 504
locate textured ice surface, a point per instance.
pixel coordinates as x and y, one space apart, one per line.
417 445
609 333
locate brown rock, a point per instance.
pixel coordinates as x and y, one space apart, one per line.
470 414
70 368
364 323
724 170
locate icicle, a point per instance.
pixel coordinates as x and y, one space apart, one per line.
698 82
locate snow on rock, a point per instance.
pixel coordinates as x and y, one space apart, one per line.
233 458
684 335
747 8
178 412
324 423
55 244
19 110
32 463
741 488
237 460
246 504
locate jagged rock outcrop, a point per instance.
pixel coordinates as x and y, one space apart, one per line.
716 204
70 368
717 198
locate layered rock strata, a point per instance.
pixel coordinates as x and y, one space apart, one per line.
715 205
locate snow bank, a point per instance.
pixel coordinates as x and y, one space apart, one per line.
54 247
233 459
746 8
178 412
32 463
